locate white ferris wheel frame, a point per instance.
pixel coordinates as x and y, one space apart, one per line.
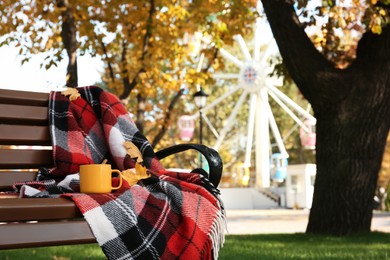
252 79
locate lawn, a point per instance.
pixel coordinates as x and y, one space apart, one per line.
373 246
264 246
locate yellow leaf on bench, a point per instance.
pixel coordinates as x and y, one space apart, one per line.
133 151
132 176
73 93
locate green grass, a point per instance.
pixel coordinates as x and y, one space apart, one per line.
89 251
375 246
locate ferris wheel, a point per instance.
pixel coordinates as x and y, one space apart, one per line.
255 86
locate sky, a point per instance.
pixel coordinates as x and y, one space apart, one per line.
33 78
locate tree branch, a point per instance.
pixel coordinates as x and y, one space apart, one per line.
148 33
129 86
215 55
105 52
366 54
305 64
167 118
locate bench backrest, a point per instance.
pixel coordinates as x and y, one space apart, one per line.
24 136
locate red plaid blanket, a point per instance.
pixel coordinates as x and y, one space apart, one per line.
170 215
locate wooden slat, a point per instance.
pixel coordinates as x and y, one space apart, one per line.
25 159
45 234
8 178
20 114
24 135
30 209
23 97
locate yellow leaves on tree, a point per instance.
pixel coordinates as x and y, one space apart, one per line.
140 42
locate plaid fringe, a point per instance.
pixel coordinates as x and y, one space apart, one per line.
217 233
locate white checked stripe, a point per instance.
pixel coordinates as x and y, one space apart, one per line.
102 227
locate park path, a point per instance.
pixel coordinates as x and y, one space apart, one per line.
284 221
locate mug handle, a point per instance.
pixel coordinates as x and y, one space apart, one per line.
120 179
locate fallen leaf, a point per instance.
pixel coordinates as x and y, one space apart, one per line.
133 151
73 93
132 176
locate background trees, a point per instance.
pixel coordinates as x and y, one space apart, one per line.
145 45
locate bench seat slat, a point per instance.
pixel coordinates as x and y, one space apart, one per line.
21 114
24 135
8 178
32 222
8 96
21 235
24 159
30 209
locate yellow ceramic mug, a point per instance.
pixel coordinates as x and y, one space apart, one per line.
96 178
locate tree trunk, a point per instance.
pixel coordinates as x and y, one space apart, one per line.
352 108
349 153
68 34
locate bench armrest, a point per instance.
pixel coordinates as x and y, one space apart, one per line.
212 157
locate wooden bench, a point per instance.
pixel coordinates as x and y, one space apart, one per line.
33 222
